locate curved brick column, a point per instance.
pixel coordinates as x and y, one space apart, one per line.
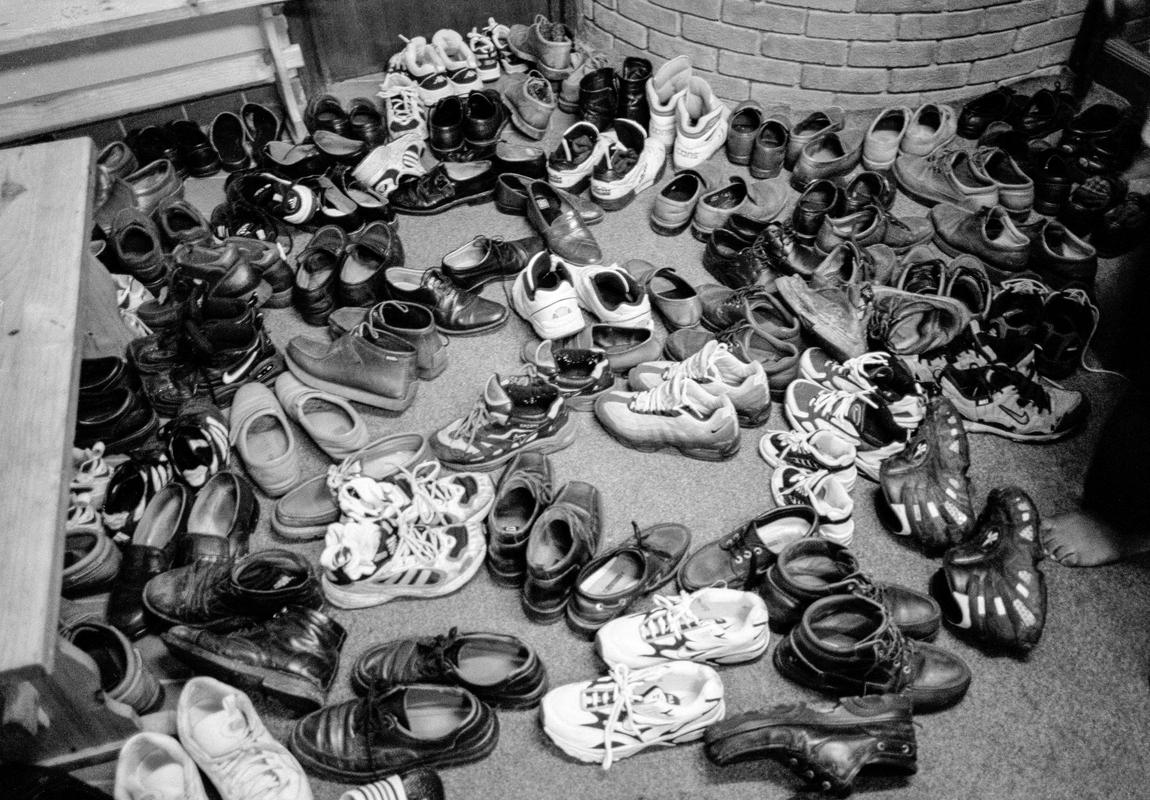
853 53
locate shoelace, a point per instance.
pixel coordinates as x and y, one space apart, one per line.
836 403
431 493
860 368
805 491
664 397
698 366
476 420
798 443
621 695
671 615
480 43
429 658
419 545
892 655
255 773
403 106
1080 296
90 467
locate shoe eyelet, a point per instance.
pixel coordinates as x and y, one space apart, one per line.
738 559
881 746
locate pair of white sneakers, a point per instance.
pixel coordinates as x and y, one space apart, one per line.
551 293
447 64
617 164
686 116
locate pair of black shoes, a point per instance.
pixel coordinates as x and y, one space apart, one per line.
1034 117
337 269
111 407
606 95
238 138
182 142
473 122
361 119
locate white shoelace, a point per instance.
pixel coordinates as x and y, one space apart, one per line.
664 397
622 695
404 106
671 615
420 545
698 366
856 368
254 772
835 405
480 44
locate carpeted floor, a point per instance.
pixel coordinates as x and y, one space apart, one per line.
1068 722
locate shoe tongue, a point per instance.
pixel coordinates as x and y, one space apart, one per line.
495 397
159 778
223 731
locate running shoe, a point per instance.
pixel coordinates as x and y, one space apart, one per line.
822 491
1004 402
886 375
814 451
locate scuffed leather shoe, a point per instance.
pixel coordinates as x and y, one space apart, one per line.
815 125
742 556
483 260
560 225
906 323
828 156
674 298
458 312
675 204
989 234
835 316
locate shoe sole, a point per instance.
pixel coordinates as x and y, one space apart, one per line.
983 427
542 616
473 200
338 597
294 692
560 440
580 186
351 393
748 656
458 755
668 230
690 733
700 453
304 533
527 130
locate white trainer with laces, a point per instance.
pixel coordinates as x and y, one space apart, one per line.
421 58
720 372
884 374
666 86
701 123
153 766
453 51
627 711
499 33
403 107
817 450
713 626
220 729
612 295
486 55
823 492
544 294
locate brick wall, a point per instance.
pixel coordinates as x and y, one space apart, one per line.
854 53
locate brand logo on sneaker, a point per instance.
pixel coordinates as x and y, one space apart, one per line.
1021 417
231 376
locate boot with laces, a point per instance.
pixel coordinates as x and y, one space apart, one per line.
992 587
926 485
701 123
719 372
579 150
810 569
546 44
563 538
224 735
849 645
626 711
292 657
500 670
1007 403
666 86
531 102
826 744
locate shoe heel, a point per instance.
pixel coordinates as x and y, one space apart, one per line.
613 204
665 230
295 693
756 419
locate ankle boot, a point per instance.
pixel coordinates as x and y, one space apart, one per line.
810 569
599 98
828 744
849 645
415 324
294 656
633 79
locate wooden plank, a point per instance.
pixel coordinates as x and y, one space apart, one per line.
25 25
100 102
45 223
123 56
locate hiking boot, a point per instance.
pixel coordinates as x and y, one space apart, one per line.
525 490
367 365
992 586
678 413
292 657
849 645
531 102
513 415
563 538
810 569
666 86
544 43
1002 401
828 744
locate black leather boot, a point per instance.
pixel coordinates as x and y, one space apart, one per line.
293 656
633 79
828 744
599 97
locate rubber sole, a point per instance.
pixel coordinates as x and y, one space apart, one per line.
473 200
530 131
447 758
560 440
699 453
667 230
693 733
299 534
746 657
542 616
356 395
338 597
580 186
280 299
982 427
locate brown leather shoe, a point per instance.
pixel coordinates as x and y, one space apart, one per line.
828 156
369 366
673 297
531 102
560 225
817 124
989 234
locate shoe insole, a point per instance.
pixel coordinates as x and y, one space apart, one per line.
428 717
213 511
778 534
326 417
135 242
488 663
109 660
610 289
266 439
843 629
515 510
669 290
160 523
359 265
813 572
620 574
552 543
316 270
160 776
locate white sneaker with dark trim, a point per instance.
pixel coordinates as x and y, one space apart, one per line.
886 375
701 123
821 490
813 451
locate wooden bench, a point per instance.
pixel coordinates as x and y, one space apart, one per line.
69 62
58 305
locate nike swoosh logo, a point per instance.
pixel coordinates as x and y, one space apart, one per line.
231 376
1020 417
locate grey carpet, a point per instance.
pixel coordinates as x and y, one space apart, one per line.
1067 722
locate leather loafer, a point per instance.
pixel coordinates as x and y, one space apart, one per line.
675 204
999 104
120 418
672 296
263 439
745 122
1052 184
511 198
828 156
866 188
526 160
457 312
445 126
560 225
314 289
325 113
818 200
813 126
364 122
445 186
1061 258
365 255
769 148
153 143
484 118
1047 111
136 245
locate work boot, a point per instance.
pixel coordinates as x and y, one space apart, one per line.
828 744
633 79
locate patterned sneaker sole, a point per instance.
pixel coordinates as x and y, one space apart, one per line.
691 732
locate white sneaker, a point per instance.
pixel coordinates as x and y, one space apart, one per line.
625 711
887 375
570 165
433 88
817 450
498 33
421 58
403 107
465 81
453 51
633 162
664 89
486 55
153 766
221 731
701 123
822 491
544 295
382 168
719 372
713 626
612 295
414 560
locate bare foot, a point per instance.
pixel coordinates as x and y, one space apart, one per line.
1081 539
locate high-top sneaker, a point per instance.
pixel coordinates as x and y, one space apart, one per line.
633 162
992 587
826 743
232 353
633 79
515 414
666 86
293 656
701 124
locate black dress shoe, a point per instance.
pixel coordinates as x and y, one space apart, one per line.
152 144
106 374
526 160
785 254
868 188
1052 184
365 123
483 260
821 198
447 185
318 266
120 418
261 124
729 259
194 153
325 113
457 311
138 249
484 118
999 104
1047 111
599 97
445 126
293 160
228 137
633 77
366 255
1100 119
179 221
